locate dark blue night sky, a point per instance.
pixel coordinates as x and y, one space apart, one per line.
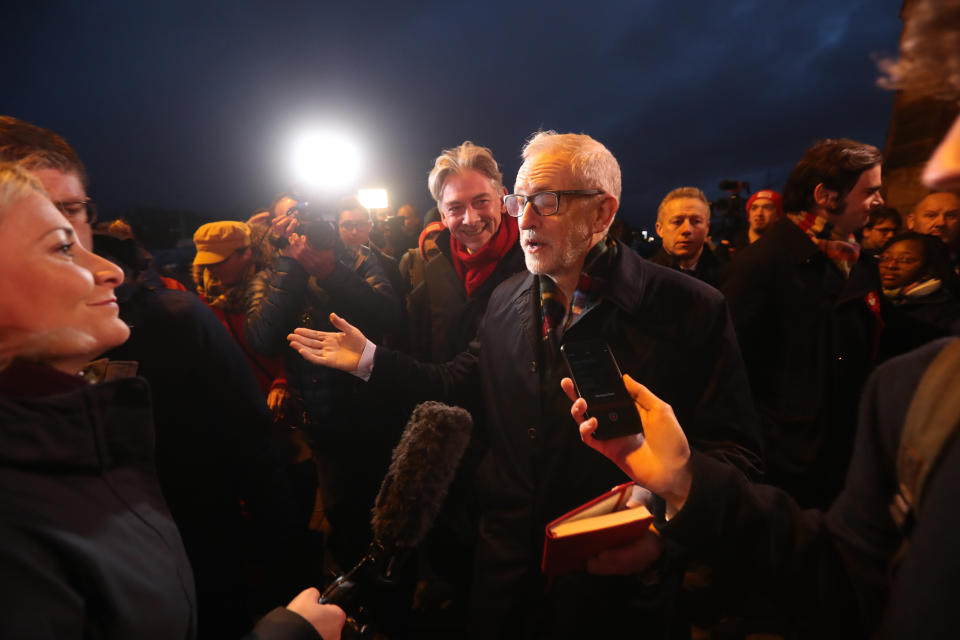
190 105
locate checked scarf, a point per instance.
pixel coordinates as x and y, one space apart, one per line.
553 306
842 251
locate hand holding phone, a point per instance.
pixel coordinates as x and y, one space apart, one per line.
599 381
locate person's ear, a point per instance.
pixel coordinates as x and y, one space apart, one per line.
824 197
658 228
605 213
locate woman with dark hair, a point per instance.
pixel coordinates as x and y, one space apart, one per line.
89 547
918 281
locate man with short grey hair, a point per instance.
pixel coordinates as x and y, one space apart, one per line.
478 251
683 223
938 214
664 328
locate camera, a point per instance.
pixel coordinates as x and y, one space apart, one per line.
728 215
321 233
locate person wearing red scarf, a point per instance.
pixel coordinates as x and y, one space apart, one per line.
474 268
479 249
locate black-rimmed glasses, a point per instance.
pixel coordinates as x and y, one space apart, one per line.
73 209
545 203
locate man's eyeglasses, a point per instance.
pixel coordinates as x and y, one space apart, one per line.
74 209
545 203
354 226
898 260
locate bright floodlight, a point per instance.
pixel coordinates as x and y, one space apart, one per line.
373 198
326 160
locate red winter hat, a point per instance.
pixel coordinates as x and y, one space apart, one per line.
769 195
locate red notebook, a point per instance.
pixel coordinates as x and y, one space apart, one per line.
603 523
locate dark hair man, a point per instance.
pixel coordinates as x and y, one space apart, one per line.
883 224
351 437
411 226
354 223
213 428
663 327
806 308
683 222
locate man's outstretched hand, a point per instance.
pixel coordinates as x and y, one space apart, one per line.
657 459
338 350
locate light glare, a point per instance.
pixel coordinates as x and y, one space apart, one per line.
373 198
326 160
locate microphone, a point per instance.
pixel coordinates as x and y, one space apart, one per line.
422 467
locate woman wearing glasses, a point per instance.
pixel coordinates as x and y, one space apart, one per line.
917 280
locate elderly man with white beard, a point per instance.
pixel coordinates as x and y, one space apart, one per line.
669 330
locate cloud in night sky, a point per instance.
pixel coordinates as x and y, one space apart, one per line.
188 105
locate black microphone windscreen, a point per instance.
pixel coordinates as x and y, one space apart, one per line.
422 468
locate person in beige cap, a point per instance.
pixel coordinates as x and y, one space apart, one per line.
224 255
221 271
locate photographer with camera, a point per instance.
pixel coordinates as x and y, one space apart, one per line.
313 275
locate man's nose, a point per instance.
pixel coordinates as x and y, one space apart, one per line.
471 216
528 217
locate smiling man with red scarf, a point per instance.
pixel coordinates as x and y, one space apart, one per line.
479 250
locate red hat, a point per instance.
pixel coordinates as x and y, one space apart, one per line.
769 195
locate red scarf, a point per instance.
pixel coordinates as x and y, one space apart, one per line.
475 268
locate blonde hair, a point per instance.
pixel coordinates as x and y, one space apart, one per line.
682 192
466 157
16 184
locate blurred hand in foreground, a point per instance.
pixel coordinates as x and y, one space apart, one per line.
327 619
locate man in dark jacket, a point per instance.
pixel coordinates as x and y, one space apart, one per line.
805 303
478 251
350 437
683 222
663 327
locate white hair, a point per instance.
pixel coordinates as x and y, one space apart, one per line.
592 163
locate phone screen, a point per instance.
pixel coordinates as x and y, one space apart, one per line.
599 381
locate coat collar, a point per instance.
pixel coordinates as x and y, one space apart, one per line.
792 243
796 248
624 288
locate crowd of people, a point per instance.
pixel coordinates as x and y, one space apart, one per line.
180 456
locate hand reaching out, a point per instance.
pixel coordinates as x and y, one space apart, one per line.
337 350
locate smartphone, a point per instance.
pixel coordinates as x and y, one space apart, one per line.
598 380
